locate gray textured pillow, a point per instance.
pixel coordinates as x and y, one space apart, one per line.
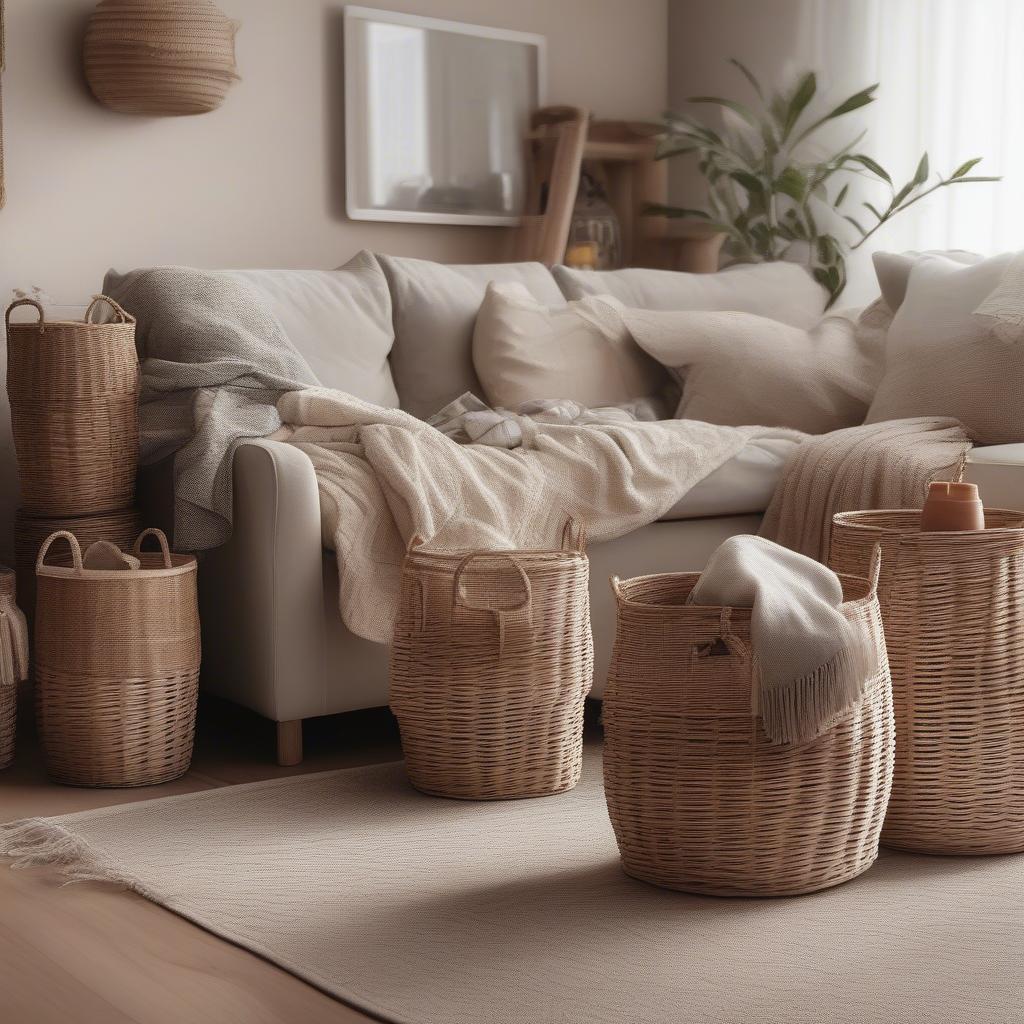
780 291
435 307
943 359
737 369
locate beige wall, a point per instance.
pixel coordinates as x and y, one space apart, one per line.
258 182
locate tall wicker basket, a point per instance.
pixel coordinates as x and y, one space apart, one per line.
953 609
698 797
117 667
74 391
491 662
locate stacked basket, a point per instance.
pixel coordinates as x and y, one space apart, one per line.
73 389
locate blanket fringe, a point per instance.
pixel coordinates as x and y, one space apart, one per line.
36 842
808 707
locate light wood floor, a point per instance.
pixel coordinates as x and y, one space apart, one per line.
93 953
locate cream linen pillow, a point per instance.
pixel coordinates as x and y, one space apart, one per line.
737 369
944 359
893 270
523 351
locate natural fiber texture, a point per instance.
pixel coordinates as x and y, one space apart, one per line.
120 528
73 389
879 465
953 608
699 798
160 56
425 911
386 476
13 662
117 667
491 662
811 660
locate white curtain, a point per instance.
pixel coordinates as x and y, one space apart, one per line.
952 84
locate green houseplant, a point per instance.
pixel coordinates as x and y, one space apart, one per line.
767 196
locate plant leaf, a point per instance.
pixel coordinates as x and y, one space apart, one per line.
745 112
802 95
921 174
854 102
855 223
792 182
965 167
841 196
873 166
748 75
977 177
874 211
662 210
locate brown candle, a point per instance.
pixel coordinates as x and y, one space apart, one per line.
952 507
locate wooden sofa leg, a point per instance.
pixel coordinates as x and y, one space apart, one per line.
289 742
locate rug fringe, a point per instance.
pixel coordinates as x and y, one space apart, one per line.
37 842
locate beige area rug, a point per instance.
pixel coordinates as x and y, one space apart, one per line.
431 911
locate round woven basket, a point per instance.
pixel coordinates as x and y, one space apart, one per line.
117 667
491 663
160 57
74 391
30 532
700 800
13 662
953 609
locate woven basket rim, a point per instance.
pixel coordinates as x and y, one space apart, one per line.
96 575
418 555
868 520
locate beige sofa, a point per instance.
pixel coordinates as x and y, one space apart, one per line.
273 640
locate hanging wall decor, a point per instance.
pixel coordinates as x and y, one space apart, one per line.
160 57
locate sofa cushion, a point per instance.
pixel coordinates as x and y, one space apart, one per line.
998 470
435 307
737 369
522 351
942 359
893 270
781 291
339 321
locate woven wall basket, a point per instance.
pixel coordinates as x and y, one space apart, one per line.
116 667
74 392
491 662
953 608
160 57
13 662
699 799
30 532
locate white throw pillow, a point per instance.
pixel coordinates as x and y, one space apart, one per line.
893 270
781 291
523 351
942 359
738 369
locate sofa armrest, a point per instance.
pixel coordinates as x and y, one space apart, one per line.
262 593
998 470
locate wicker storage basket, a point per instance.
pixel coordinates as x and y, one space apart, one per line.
160 57
491 662
74 391
30 532
953 609
13 662
698 797
117 667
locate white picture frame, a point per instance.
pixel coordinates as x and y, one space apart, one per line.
400 120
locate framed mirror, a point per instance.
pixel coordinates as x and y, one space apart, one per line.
436 116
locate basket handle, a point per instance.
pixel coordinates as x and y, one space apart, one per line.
76 549
122 315
574 536
152 531
25 302
875 568
515 625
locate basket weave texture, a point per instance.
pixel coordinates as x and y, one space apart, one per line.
74 392
698 797
30 533
953 609
491 663
117 667
160 57
13 663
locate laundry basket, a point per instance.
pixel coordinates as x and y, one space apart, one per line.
73 388
698 797
953 609
491 662
116 667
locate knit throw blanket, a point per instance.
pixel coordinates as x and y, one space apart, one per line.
878 465
385 476
810 660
